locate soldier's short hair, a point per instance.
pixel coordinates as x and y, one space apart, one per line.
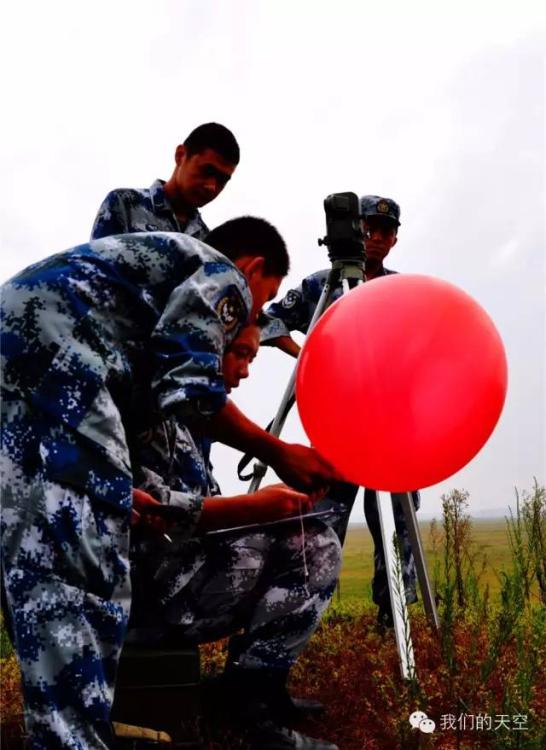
216 137
250 235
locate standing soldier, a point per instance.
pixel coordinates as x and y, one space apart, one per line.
266 586
204 164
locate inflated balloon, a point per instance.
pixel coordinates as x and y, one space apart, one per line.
401 382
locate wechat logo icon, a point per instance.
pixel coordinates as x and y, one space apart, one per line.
419 720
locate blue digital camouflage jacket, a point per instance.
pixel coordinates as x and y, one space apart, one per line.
143 210
107 336
295 311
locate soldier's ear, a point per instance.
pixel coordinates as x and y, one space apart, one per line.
179 154
251 265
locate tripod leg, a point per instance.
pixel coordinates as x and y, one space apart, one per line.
406 502
396 590
280 418
288 396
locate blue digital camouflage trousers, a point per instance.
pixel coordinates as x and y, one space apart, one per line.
380 587
66 587
274 584
341 499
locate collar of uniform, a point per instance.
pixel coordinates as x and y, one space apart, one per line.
160 201
158 197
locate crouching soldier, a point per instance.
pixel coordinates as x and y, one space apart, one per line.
273 581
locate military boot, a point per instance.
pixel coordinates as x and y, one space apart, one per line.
290 708
248 700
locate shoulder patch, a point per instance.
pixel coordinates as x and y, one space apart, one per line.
290 299
231 308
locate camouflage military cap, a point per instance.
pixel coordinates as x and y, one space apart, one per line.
374 205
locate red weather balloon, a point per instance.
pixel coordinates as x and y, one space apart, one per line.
401 382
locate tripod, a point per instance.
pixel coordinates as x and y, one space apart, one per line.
348 273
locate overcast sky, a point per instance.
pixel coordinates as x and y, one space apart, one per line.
441 110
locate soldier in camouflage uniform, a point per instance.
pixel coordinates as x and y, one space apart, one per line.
381 217
84 334
204 164
273 582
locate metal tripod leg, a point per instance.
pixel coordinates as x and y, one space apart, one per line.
260 469
410 516
397 592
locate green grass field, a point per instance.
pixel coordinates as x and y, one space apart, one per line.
490 540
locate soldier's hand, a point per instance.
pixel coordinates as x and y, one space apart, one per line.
305 497
142 511
279 501
268 504
303 468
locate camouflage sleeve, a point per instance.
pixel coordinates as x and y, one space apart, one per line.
169 464
111 217
202 316
213 486
190 502
292 313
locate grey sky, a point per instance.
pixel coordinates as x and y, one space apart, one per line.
443 111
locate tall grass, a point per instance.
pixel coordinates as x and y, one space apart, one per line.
481 679
501 668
